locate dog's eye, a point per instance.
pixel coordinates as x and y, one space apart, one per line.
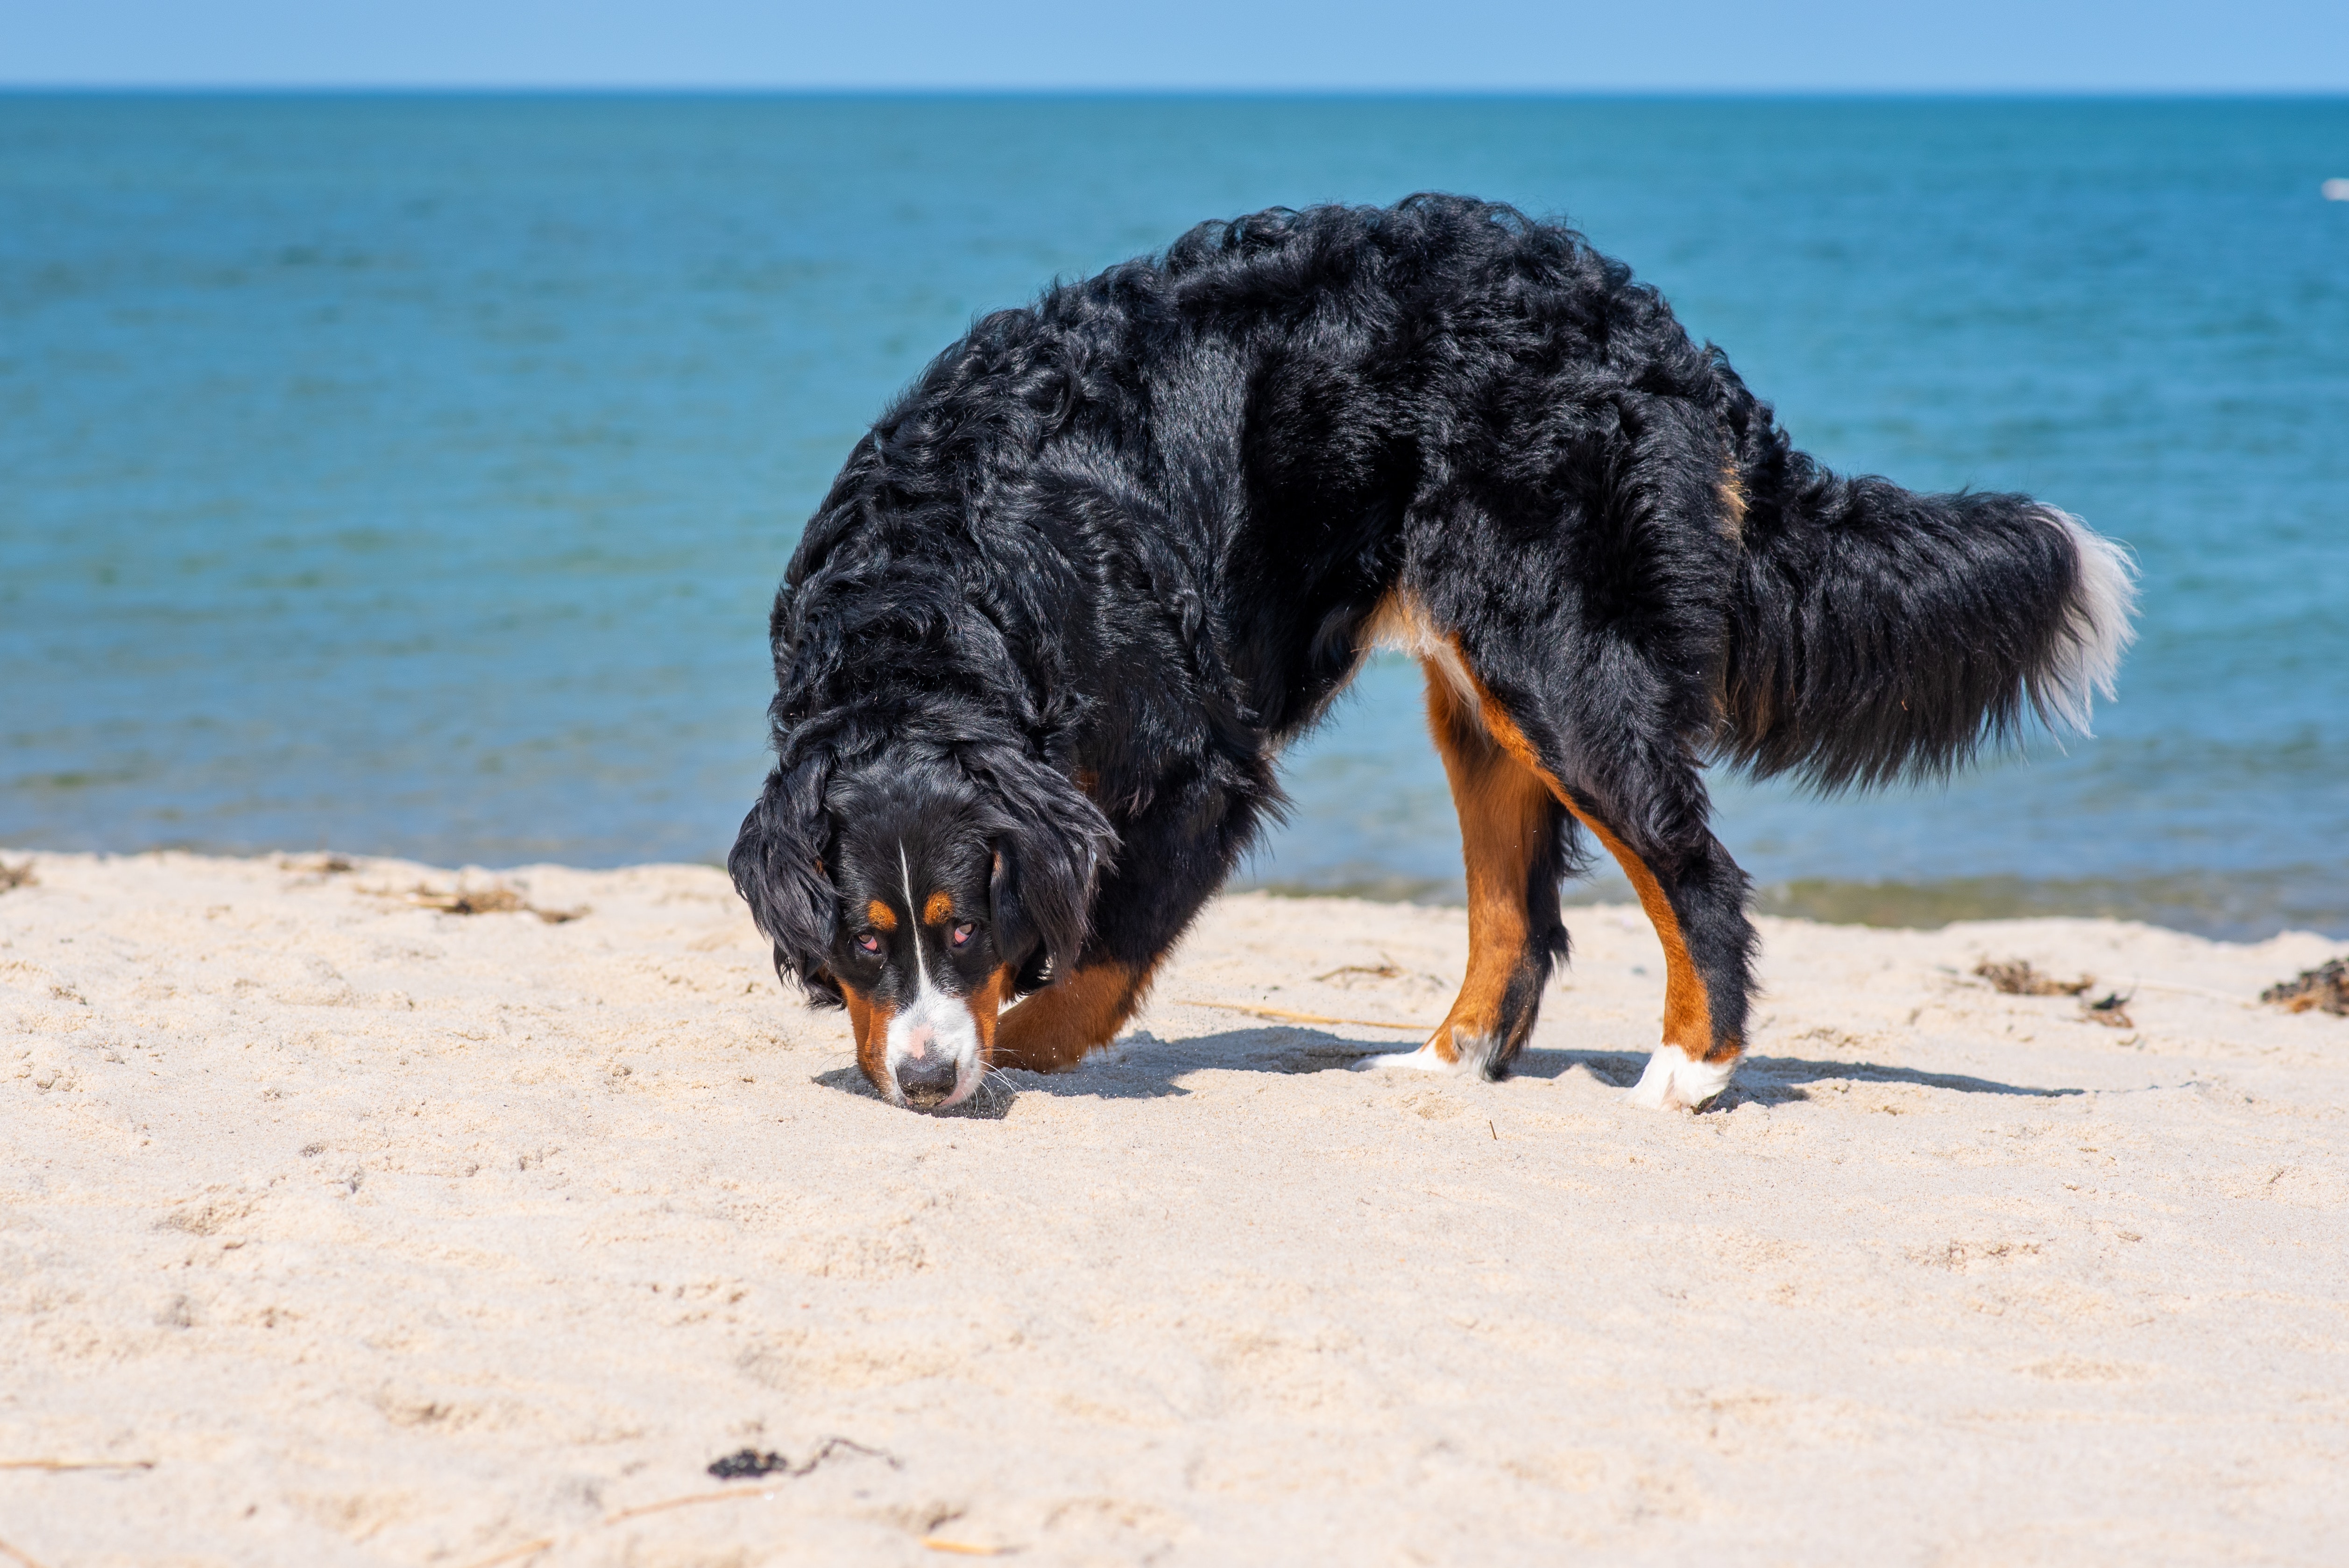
962 933
868 944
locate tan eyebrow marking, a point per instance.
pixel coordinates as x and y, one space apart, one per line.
939 910
880 916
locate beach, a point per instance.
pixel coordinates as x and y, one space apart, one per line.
360 1212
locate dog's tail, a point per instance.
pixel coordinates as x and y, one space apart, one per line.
1875 633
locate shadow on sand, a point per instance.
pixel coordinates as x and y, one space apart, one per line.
1143 1066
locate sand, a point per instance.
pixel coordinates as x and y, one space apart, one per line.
339 1230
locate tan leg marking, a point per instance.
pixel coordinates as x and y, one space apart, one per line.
1503 820
1687 1012
1052 1030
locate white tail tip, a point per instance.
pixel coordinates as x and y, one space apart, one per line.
2098 626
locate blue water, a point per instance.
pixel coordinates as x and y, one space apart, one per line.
410 474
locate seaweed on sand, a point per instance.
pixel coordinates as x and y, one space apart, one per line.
2324 989
2017 977
488 901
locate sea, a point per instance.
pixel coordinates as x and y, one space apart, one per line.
411 474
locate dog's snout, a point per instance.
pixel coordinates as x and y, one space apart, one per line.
934 1051
926 1079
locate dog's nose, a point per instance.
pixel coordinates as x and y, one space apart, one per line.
926 1079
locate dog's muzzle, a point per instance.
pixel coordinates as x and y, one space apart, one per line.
934 1051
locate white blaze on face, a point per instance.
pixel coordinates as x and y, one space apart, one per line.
933 1027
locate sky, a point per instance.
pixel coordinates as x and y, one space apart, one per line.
1732 46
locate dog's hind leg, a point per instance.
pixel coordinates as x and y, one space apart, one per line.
1696 901
1512 840
1692 893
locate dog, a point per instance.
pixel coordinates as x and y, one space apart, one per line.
1039 648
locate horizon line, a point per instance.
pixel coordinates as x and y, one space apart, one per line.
715 90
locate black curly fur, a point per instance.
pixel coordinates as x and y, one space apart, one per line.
1110 552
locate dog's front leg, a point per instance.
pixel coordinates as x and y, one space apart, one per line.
1052 1030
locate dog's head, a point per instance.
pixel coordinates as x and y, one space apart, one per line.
922 891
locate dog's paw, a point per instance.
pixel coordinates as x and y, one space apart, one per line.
1422 1060
1673 1082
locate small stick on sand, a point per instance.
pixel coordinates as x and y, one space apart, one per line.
30 1562
1287 1016
516 1555
2187 991
76 1464
696 1499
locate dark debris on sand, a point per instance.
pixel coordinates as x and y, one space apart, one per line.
319 865
17 876
2111 1011
2017 977
750 1464
2324 989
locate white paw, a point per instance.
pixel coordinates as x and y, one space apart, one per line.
1422 1060
1673 1082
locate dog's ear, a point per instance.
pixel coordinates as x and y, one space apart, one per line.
778 866
1015 934
1051 845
